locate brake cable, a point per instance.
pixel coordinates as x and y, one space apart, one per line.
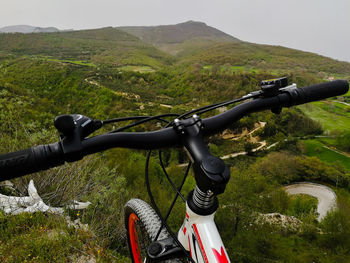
146 119
154 205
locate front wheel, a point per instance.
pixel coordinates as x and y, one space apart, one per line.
142 224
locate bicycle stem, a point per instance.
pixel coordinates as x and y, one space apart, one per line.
211 173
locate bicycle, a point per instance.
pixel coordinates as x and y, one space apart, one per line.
149 236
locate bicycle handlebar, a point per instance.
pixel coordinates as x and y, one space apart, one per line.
322 91
30 160
43 157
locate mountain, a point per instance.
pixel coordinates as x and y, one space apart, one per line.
179 33
176 38
27 29
190 43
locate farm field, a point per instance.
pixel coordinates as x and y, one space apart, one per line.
316 147
333 115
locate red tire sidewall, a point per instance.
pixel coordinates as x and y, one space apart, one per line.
133 239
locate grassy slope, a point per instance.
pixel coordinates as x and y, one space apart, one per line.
332 115
268 58
45 89
317 148
100 46
114 47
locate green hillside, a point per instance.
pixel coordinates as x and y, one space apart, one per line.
194 43
333 115
105 46
248 56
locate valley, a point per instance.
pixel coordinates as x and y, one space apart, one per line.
133 71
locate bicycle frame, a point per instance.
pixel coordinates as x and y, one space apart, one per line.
199 235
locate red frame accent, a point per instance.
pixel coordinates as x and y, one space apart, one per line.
200 243
134 241
221 258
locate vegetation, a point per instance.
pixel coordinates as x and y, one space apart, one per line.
256 188
343 141
105 46
46 238
269 58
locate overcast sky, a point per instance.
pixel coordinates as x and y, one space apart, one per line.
320 26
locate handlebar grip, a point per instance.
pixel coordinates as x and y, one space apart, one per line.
30 160
320 91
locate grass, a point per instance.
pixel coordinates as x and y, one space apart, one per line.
328 141
74 62
238 68
46 238
333 116
48 58
140 69
316 148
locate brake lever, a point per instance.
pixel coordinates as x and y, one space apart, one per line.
73 129
67 125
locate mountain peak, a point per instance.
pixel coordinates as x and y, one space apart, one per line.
193 22
166 36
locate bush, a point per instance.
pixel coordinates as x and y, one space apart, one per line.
313 169
336 231
343 141
302 206
278 166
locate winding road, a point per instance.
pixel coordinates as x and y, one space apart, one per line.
326 196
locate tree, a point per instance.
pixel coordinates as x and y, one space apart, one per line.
343 141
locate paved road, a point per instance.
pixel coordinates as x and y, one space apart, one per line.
325 196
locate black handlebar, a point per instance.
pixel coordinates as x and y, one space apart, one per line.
321 91
43 157
30 160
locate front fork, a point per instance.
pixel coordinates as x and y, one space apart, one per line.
198 235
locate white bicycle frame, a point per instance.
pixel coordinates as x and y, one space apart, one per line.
201 238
